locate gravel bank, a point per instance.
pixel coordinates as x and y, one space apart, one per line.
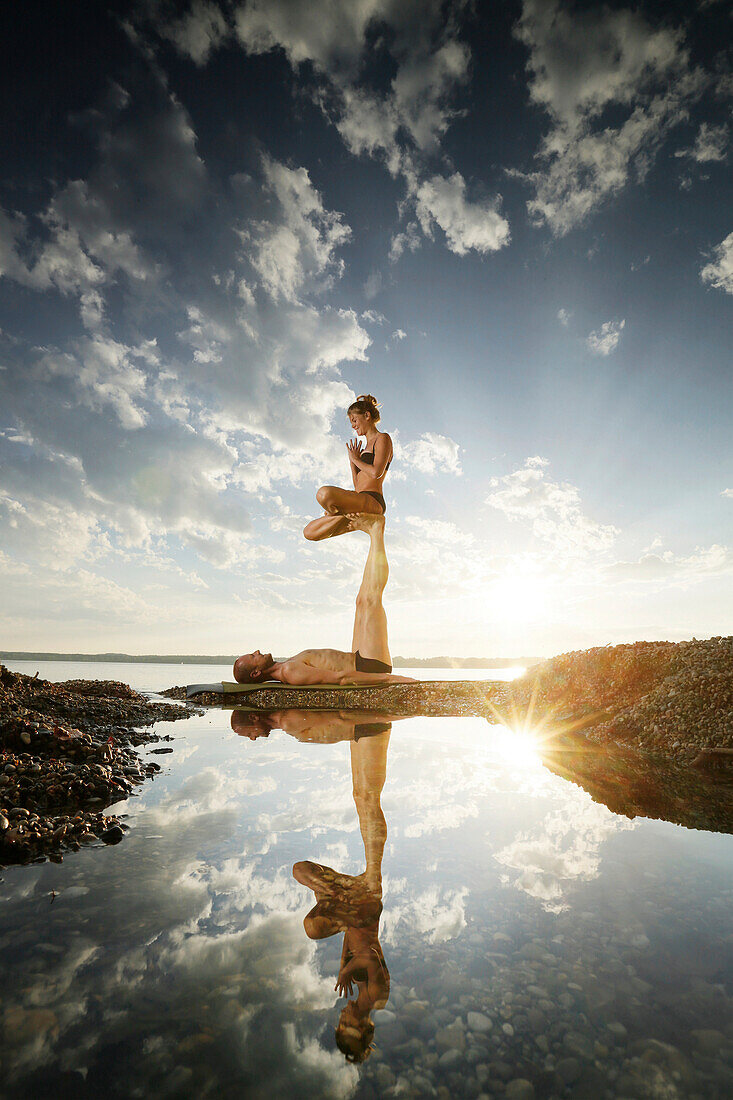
67 751
664 698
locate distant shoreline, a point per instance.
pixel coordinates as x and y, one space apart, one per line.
228 658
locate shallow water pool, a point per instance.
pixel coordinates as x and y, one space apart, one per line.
492 930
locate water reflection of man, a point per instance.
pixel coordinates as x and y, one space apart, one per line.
352 904
318 727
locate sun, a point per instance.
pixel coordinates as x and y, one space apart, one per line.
517 598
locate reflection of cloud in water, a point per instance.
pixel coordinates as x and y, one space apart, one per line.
437 914
562 850
211 789
449 789
244 987
435 819
181 949
238 887
341 1078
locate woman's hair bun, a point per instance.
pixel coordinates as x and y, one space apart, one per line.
366 402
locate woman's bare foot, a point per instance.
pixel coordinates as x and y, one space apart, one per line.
364 521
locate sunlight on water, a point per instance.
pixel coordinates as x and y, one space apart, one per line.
481 918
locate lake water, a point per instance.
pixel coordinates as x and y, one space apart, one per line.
503 934
144 676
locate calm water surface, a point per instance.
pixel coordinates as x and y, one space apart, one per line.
501 933
153 677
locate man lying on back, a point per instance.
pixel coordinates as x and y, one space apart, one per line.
313 666
369 663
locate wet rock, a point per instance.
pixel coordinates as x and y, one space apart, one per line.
579 1044
450 1038
666 697
520 1089
502 1070
477 1021
708 1039
568 1070
113 835
450 1059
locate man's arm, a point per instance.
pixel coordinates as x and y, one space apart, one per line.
298 673
375 678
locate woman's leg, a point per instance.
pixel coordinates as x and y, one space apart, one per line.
368 772
370 621
325 527
337 503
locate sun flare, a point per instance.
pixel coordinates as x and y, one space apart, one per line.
517 747
517 598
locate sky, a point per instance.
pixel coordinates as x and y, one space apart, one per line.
221 221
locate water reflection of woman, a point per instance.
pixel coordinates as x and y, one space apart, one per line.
352 904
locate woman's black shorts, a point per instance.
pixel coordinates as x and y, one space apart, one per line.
378 497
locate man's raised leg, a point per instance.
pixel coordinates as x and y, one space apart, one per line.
370 621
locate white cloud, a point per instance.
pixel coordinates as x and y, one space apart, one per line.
199 31
553 509
727 493
104 373
467 225
333 41
710 144
368 125
431 454
677 569
605 339
719 272
150 450
563 316
582 63
409 239
402 125
302 243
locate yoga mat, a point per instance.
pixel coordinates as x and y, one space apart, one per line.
226 688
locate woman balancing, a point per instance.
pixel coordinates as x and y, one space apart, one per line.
369 464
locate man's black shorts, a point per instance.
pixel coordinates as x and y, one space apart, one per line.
368 664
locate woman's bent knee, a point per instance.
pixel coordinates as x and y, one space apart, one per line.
323 496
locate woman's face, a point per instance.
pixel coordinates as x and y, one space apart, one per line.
360 422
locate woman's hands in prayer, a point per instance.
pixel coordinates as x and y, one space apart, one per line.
344 984
355 449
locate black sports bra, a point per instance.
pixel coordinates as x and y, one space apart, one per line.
368 457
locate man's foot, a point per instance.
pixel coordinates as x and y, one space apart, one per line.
364 521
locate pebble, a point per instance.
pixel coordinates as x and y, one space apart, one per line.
520 1089
568 1070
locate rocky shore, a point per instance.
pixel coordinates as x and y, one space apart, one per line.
664 698
67 751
